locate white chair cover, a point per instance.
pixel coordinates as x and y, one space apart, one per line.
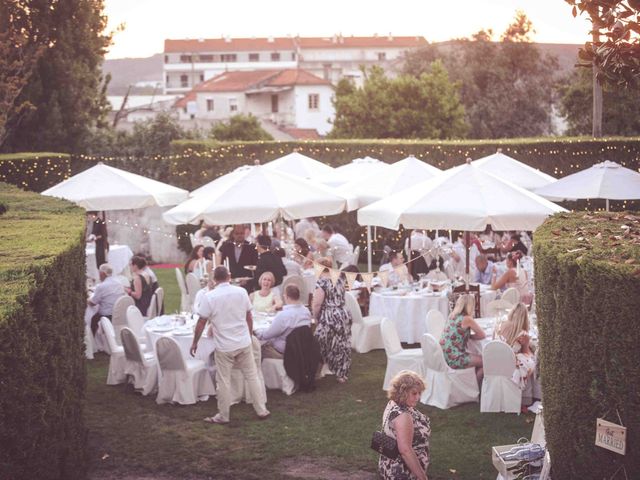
142 367
398 359
365 332
184 296
511 295
435 323
157 301
135 321
117 361
183 381
275 376
499 392
89 348
193 285
119 315
446 387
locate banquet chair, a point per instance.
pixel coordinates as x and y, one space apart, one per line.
499 392
116 373
275 376
365 332
355 257
157 303
193 286
184 296
119 314
182 380
446 387
140 367
437 276
135 321
435 323
398 358
497 307
511 295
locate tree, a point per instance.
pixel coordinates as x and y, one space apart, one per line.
66 88
427 106
615 57
621 106
239 127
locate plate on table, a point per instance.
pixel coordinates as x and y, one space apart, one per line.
161 328
250 267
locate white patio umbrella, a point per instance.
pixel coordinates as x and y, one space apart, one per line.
355 169
300 165
516 172
607 180
255 194
107 188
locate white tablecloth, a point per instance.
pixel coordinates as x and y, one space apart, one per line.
118 256
154 331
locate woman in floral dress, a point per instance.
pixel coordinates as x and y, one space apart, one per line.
334 323
409 427
456 334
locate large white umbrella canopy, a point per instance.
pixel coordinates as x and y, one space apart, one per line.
301 166
607 180
462 198
255 194
357 168
516 172
102 187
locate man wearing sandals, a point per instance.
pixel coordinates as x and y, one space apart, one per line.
228 308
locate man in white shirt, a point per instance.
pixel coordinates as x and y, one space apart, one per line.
341 249
105 295
398 272
459 258
228 308
292 316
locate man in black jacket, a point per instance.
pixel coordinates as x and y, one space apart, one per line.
239 252
268 261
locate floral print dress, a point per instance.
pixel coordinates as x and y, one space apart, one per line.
396 469
334 328
454 344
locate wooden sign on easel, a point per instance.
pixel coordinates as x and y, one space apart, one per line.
611 436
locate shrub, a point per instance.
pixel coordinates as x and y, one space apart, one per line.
588 299
42 369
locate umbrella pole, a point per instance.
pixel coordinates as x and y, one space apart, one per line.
467 241
607 200
369 253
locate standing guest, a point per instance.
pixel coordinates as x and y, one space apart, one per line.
341 249
484 270
409 427
268 261
322 250
311 237
239 253
304 255
196 258
140 285
266 300
208 231
292 316
398 272
304 225
228 309
515 333
459 256
517 245
456 334
513 278
208 255
99 236
105 295
334 323
291 266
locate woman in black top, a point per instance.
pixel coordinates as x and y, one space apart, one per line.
140 290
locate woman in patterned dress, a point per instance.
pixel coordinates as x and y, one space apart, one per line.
456 334
411 429
334 323
515 333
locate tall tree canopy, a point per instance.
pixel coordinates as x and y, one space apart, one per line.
65 87
426 106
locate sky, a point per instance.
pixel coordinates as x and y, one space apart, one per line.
148 22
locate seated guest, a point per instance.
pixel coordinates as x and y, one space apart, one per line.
456 334
140 285
196 257
513 278
105 295
323 250
292 267
311 237
419 253
239 253
268 261
517 245
265 299
208 256
398 272
341 249
484 270
304 255
292 316
305 225
151 275
515 333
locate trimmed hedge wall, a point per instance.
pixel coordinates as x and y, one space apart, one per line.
588 299
42 365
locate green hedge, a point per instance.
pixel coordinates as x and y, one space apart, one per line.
588 299
42 370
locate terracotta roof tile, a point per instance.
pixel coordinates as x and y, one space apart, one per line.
239 81
296 77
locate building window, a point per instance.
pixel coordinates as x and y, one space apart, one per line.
326 71
382 56
206 58
185 58
167 80
166 59
233 105
293 55
184 81
202 77
228 57
274 103
314 101
209 104
275 57
254 57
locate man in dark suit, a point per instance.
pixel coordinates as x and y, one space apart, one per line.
268 261
239 253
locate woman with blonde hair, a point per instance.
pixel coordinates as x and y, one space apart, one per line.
456 334
266 300
410 428
515 333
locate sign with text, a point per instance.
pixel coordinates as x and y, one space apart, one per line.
611 436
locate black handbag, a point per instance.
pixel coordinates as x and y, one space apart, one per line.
384 444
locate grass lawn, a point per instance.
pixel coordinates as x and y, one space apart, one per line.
321 435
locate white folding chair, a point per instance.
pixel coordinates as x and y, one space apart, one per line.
119 314
141 367
356 256
435 323
157 301
398 358
499 392
184 295
446 387
183 380
511 295
365 332
193 285
275 376
497 307
135 321
116 373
